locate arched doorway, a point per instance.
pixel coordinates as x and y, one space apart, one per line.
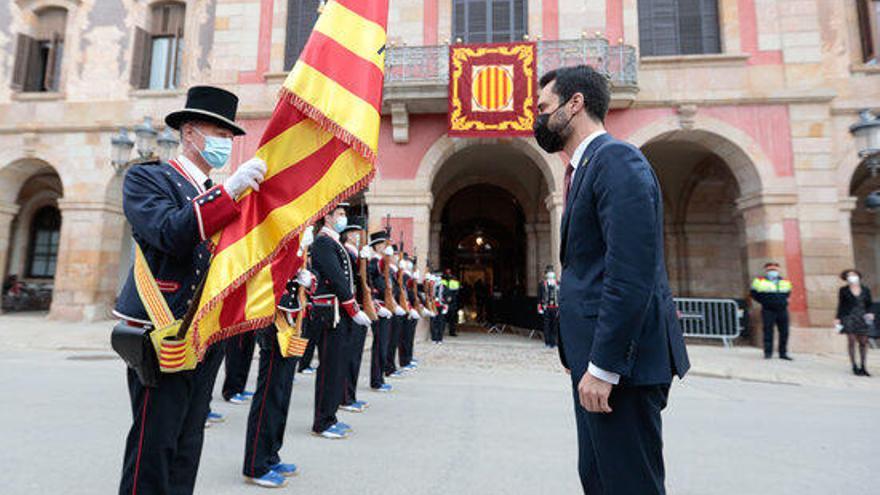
32 190
705 240
865 226
490 225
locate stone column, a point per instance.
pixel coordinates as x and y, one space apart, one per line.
7 215
555 206
545 252
434 253
86 277
531 259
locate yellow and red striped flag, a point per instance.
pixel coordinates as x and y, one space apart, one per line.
320 147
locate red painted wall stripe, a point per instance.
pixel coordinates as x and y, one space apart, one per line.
550 20
264 47
430 23
614 20
794 262
748 32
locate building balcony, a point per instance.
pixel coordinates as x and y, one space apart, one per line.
417 77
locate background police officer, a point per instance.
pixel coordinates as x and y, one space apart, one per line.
173 208
772 292
548 306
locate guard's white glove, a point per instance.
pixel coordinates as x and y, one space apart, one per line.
361 319
307 238
388 251
540 311
417 275
398 311
426 313
445 310
384 313
366 252
414 315
248 175
305 278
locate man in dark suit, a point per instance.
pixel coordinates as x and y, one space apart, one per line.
619 334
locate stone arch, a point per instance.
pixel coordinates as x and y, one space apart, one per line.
752 168
445 147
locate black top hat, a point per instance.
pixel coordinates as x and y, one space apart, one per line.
207 103
377 237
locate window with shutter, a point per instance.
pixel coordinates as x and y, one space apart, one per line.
301 18
678 27
44 240
161 55
869 30
140 59
38 59
480 21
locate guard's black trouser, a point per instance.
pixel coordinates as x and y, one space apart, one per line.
551 326
268 415
379 351
164 443
437 324
306 360
239 354
779 318
331 368
407 341
452 319
397 324
352 372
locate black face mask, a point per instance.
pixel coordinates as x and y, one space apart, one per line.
549 140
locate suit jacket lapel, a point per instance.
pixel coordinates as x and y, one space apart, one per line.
576 183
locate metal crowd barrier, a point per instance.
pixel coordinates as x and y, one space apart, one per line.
710 318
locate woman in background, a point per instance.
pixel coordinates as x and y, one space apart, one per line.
853 317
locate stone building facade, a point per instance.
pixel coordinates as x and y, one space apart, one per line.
742 106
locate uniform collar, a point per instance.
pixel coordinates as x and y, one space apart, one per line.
194 172
582 148
330 233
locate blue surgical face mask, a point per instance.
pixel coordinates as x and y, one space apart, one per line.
772 274
341 224
217 150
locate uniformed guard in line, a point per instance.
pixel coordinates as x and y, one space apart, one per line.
398 321
408 331
267 418
772 292
173 209
355 349
548 307
334 314
380 280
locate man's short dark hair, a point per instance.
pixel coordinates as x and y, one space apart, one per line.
585 80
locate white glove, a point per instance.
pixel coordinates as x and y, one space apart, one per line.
445 310
426 313
540 311
307 238
389 251
384 313
366 252
305 278
399 311
417 275
248 175
361 319
414 315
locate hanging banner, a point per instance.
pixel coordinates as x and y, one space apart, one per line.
492 89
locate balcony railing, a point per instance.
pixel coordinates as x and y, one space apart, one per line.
430 64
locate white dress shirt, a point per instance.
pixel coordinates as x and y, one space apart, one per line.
194 172
605 376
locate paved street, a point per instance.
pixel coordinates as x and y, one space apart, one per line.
485 414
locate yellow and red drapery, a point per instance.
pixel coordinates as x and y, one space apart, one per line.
492 89
320 147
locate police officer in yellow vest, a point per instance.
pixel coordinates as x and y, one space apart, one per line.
772 292
452 286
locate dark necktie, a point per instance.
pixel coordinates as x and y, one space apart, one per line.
209 184
566 186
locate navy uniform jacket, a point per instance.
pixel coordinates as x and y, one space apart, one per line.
616 308
335 275
171 223
377 280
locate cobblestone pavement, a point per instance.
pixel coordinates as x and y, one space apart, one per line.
484 414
